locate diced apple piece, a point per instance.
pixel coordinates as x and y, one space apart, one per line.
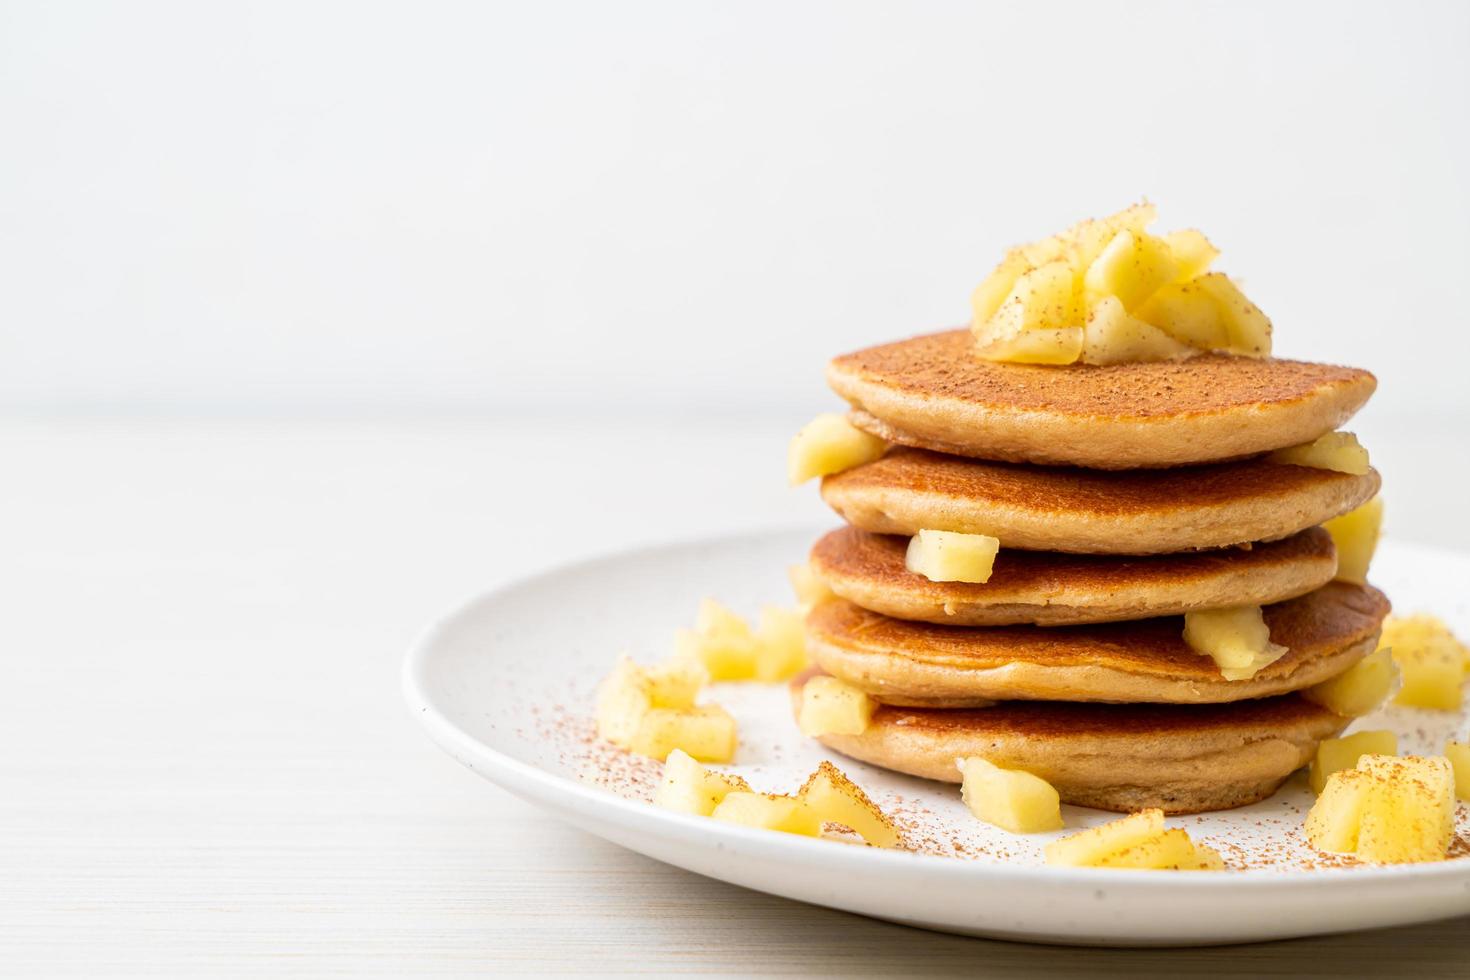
1111 336
622 700
829 444
1359 689
716 619
726 656
1408 814
831 707
1236 638
675 683
1248 328
1459 755
809 587
707 733
1206 858
1090 846
997 286
1009 798
688 787
1062 345
1433 675
1188 314
1356 536
1421 629
1336 754
1192 251
1332 824
830 797
1338 451
1131 267
1045 298
1169 849
780 644
951 556
767 811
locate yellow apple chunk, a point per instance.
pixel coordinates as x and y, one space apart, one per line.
1359 689
1408 815
1236 638
809 587
1171 849
1356 536
1131 268
830 797
1044 298
1187 313
727 656
1062 345
623 699
1111 336
997 286
1338 451
1247 327
829 444
1433 676
1009 798
1459 755
688 787
780 644
1336 754
831 707
1088 847
706 732
1332 823
950 556
766 811
1191 250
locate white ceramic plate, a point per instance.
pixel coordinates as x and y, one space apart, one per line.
505 685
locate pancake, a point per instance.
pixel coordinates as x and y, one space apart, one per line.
921 664
935 393
1135 512
1052 589
1124 757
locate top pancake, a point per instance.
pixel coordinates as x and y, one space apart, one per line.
1052 508
934 392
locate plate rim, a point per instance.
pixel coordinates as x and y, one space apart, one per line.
543 786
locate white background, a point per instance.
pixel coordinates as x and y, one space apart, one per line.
655 206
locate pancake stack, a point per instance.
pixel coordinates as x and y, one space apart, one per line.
1123 496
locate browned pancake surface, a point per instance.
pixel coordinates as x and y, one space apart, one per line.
1323 622
1049 588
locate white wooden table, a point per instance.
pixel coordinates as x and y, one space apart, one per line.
206 766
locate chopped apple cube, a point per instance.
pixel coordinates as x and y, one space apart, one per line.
1060 345
1459 755
688 787
1206 858
780 644
1337 754
1433 676
1359 689
809 587
997 286
1088 847
1187 313
1009 798
767 811
715 619
727 656
1356 536
1338 451
829 444
1248 328
1192 251
1045 298
622 700
1408 815
950 556
1111 336
1236 638
830 797
831 707
1131 267
675 683
1169 849
1332 823
707 733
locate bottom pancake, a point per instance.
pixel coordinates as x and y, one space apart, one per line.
1122 757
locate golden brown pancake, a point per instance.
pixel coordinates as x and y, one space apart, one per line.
1123 757
921 664
1132 512
1050 589
934 392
